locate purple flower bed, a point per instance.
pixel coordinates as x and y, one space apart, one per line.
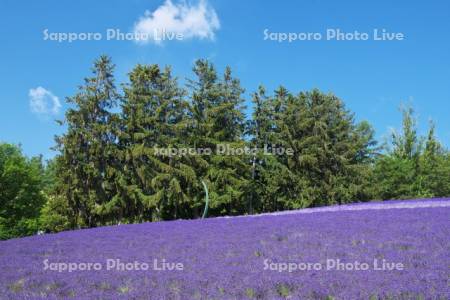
267 257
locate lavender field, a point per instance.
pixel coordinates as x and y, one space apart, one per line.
389 250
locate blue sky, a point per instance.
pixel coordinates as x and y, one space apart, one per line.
372 77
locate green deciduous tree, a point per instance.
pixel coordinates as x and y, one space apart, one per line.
21 195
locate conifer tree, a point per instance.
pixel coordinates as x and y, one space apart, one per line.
157 185
412 166
88 148
429 182
327 148
269 176
216 111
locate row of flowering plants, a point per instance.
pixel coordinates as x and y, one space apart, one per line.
389 250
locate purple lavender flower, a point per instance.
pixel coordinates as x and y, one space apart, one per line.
245 257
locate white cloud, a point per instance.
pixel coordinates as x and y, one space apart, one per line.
43 102
185 19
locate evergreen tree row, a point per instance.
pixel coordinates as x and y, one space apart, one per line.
108 171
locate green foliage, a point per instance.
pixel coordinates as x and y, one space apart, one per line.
88 162
54 215
331 156
109 171
216 117
154 115
21 194
413 166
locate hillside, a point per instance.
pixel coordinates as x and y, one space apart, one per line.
381 250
